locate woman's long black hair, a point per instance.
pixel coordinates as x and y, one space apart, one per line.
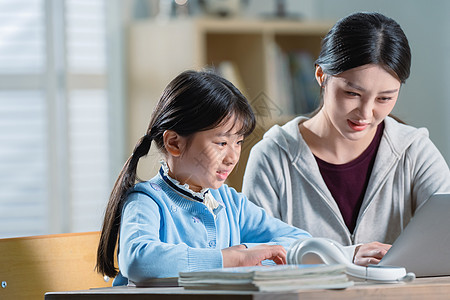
365 38
192 102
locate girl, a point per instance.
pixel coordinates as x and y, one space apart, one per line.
351 172
185 219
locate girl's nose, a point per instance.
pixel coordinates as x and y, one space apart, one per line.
232 155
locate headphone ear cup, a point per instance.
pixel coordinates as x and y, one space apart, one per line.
312 258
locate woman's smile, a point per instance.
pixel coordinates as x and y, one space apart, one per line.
357 126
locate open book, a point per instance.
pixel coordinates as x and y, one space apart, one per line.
268 278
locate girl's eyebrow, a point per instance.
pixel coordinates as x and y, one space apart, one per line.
226 134
221 134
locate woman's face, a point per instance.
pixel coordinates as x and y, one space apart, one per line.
356 101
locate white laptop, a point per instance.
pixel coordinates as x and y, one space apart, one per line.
424 246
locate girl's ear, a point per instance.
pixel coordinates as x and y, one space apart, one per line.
320 75
173 143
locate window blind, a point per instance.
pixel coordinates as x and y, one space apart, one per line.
23 163
87 107
54 116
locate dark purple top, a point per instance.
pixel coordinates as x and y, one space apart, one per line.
348 182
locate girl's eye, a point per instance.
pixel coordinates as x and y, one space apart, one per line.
240 142
385 98
222 144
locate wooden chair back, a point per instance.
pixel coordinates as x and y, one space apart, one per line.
31 266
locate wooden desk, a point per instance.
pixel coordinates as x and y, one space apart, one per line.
421 288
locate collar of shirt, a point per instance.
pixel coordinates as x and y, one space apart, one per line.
203 196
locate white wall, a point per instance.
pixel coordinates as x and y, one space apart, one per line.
425 98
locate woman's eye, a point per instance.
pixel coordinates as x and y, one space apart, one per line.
240 142
222 144
352 94
385 98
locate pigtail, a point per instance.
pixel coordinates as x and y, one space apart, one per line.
111 223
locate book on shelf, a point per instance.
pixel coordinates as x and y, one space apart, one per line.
279 82
230 71
292 82
305 89
268 278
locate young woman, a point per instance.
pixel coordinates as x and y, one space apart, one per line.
184 218
350 172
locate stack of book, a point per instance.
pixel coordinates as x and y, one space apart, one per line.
268 278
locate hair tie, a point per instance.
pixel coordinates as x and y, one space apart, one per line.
147 138
146 142
142 147
152 133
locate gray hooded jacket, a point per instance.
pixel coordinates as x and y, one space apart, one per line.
282 176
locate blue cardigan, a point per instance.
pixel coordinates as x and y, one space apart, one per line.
163 232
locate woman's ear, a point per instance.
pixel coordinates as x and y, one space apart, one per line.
173 142
320 75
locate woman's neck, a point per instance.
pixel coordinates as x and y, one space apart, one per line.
326 143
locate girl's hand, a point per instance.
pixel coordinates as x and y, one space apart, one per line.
370 254
239 255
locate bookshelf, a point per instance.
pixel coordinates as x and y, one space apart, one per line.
158 50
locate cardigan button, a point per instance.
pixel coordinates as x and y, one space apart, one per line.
212 244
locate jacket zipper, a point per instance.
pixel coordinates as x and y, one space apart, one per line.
331 208
368 205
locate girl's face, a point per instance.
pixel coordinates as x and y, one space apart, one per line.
209 157
356 101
